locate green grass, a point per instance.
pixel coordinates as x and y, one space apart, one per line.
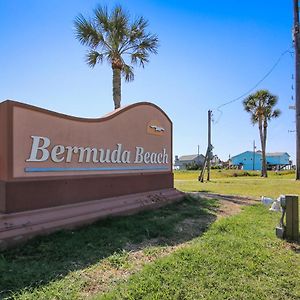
65 265
133 257
225 182
237 258
224 173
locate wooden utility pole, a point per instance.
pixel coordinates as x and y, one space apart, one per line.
201 176
209 147
208 155
297 85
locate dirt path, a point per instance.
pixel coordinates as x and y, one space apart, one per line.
229 205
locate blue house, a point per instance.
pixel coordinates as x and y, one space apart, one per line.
250 160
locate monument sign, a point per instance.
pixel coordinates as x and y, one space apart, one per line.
72 170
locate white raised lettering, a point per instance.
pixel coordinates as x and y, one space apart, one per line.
106 154
88 151
41 150
125 159
153 157
147 157
165 156
159 158
139 155
56 151
70 151
116 154
37 147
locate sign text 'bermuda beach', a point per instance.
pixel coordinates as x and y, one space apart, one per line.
42 150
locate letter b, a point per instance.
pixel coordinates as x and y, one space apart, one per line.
139 155
35 148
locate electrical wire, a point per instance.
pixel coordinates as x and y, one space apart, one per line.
256 85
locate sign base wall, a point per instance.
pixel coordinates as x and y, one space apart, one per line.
29 194
19 227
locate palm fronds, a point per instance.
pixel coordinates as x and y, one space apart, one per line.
113 33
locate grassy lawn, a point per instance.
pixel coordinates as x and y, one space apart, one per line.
237 258
234 183
176 252
76 264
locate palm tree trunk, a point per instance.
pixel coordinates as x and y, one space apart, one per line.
117 87
263 153
265 174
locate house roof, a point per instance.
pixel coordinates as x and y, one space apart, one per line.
190 157
276 154
259 152
240 154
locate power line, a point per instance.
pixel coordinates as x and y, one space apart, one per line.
256 85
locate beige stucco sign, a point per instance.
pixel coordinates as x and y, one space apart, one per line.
134 139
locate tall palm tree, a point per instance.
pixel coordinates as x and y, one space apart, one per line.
261 107
112 37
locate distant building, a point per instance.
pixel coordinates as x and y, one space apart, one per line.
250 160
216 161
185 161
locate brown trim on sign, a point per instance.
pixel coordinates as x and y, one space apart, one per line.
10 141
4 136
109 116
2 197
172 148
91 176
33 194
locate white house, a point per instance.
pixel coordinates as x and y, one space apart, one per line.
184 161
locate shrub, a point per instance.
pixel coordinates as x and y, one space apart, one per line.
192 166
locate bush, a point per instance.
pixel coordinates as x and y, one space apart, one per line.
193 166
216 167
244 174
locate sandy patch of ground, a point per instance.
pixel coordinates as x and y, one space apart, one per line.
229 205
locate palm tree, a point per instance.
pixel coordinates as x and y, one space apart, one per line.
261 107
112 37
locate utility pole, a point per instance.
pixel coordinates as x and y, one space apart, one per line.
209 149
208 155
297 85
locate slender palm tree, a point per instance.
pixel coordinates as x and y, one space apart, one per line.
261 106
114 38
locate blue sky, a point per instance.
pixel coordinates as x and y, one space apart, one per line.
210 52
